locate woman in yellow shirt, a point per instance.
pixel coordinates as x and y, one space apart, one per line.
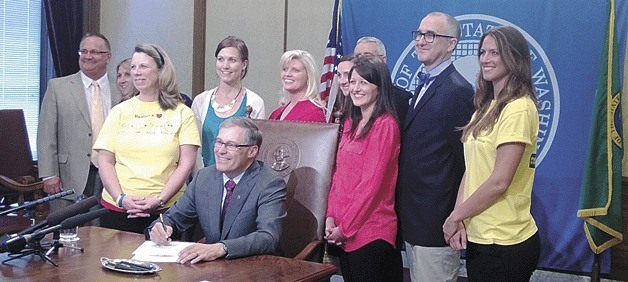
147 146
492 210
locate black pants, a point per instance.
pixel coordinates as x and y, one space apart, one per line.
376 261
503 263
119 220
94 186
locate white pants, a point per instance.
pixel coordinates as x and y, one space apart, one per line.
432 263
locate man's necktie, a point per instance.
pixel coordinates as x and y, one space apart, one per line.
424 80
230 185
424 77
98 117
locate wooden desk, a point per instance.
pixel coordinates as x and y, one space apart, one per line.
101 242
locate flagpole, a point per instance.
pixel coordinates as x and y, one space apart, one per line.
595 269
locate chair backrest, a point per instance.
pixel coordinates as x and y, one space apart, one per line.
304 154
16 159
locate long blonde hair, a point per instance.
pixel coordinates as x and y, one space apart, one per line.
514 52
312 75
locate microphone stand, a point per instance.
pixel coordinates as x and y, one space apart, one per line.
56 244
36 248
32 204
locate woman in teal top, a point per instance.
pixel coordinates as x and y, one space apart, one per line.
229 99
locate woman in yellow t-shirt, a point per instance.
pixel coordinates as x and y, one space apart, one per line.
492 211
147 146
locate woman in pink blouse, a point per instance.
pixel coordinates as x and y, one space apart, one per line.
360 212
299 79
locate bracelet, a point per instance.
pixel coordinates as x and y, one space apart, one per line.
161 202
120 198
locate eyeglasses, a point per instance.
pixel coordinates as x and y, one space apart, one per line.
429 36
231 146
84 52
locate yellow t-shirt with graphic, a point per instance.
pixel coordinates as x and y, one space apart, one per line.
145 140
507 221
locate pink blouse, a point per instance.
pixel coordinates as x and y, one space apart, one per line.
362 195
303 111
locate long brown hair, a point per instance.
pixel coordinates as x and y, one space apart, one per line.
515 53
374 70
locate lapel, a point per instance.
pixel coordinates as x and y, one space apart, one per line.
444 75
240 194
214 205
77 92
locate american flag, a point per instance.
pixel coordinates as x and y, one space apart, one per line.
333 52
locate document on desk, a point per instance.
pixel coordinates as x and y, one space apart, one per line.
149 251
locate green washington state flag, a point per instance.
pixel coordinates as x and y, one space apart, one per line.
600 198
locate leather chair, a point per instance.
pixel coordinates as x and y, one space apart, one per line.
18 176
304 154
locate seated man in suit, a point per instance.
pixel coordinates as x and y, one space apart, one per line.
239 202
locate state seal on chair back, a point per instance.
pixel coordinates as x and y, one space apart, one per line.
304 154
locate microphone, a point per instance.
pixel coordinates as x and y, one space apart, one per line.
71 210
17 244
56 217
78 220
38 201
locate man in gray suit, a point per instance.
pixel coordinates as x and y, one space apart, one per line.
64 139
241 221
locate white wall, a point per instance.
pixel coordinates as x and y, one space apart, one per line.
260 23
165 23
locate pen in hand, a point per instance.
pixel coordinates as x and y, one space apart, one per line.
161 220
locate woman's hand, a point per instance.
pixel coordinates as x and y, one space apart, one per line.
336 237
332 232
449 228
459 240
140 206
329 226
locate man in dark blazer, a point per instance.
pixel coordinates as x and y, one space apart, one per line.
375 46
431 157
64 139
254 212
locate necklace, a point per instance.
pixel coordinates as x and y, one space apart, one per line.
224 108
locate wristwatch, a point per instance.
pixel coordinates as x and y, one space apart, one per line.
161 202
224 247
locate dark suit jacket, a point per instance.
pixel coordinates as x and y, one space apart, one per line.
401 98
255 216
431 162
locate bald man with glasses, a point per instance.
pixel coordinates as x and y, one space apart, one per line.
431 161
